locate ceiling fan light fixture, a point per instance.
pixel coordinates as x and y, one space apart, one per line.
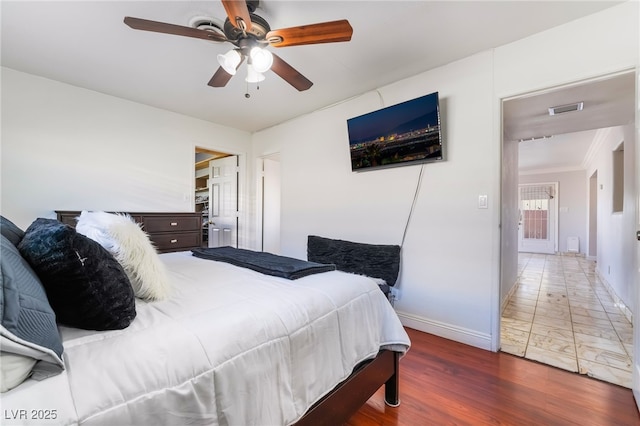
253 76
261 59
230 61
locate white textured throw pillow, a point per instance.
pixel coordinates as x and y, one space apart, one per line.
131 247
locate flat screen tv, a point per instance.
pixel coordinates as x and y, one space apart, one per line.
401 134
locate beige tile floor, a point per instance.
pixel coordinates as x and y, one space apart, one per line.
561 314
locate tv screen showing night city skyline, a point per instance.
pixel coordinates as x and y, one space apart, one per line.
400 134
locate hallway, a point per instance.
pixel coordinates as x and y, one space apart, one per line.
561 314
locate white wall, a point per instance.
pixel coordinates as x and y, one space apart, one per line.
615 230
67 148
450 274
448 256
572 204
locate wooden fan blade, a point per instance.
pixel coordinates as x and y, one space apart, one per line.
238 13
161 27
221 77
289 74
326 32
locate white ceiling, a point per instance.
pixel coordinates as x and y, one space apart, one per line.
86 44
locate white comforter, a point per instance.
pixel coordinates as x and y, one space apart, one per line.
231 346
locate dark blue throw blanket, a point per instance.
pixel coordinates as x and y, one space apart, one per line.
266 263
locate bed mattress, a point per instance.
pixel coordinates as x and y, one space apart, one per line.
230 347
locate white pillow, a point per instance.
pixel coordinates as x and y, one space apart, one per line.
14 369
95 225
131 247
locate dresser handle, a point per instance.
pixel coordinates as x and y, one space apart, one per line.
174 223
174 241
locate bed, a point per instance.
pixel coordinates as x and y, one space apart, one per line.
229 346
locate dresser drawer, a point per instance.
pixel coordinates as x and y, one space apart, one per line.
168 231
69 218
176 241
172 223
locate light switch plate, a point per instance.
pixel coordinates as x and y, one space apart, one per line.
482 202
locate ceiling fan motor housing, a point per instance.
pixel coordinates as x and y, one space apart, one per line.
258 31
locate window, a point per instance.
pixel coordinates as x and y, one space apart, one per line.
534 207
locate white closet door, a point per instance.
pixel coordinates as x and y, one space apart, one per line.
223 202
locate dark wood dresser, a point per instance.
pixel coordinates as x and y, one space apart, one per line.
168 231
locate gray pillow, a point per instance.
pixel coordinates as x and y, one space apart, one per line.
86 286
28 322
10 231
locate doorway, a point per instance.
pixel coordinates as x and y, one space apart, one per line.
270 185
201 189
219 188
559 298
537 228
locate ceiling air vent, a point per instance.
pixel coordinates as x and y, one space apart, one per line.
535 138
566 108
208 24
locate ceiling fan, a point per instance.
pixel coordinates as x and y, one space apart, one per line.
251 34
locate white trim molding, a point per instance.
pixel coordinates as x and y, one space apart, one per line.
447 331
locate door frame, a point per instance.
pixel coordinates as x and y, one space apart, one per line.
503 244
635 375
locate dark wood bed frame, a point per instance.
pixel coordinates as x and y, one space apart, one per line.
345 399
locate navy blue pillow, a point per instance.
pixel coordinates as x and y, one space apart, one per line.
86 286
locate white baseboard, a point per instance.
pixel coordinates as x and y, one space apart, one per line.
512 290
448 331
616 299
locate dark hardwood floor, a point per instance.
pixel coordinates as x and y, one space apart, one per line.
448 383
